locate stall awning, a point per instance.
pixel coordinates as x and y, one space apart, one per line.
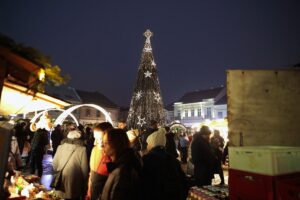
16 99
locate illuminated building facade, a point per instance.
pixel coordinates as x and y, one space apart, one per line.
198 106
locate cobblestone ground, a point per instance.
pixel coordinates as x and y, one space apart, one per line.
47 171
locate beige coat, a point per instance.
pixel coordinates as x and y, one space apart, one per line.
75 173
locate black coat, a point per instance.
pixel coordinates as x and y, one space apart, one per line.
162 176
203 159
124 178
39 141
56 137
170 144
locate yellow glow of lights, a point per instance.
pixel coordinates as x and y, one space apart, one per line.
42 75
15 100
217 124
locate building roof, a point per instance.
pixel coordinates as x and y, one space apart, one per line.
96 98
222 100
198 96
65 93
170 107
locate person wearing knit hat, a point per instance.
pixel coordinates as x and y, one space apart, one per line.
157 138
161 171
145 134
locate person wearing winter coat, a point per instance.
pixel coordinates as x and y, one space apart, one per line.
170 142
217 144
98 161
39 145
153 127
162 176
14 157
56 137
124 171
203 157
72 152
183 146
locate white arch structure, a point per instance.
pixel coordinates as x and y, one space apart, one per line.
33 120
67 112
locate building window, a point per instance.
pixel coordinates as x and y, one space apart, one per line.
178 114
192 113
98 114
199 112
220 114
185 113
208 113
88 112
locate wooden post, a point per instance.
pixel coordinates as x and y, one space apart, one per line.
3 69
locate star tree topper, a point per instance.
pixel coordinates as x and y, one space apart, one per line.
148 34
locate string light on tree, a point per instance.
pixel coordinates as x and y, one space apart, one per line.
153 63
148 74
141 121
156 96
129 114
148 105
138 95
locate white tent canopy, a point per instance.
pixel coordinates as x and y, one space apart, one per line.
16 100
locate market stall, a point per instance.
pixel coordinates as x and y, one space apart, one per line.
208 193
19 187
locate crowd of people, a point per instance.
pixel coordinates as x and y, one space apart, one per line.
114 163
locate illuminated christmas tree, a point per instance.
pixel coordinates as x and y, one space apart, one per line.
146 103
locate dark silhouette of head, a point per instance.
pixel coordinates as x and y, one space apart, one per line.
167 128
115 142
153 124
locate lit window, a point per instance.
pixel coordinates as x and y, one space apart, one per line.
87 112
208 113
98 114
220 114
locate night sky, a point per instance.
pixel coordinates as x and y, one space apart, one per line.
99 43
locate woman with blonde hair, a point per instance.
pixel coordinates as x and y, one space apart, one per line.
98 160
